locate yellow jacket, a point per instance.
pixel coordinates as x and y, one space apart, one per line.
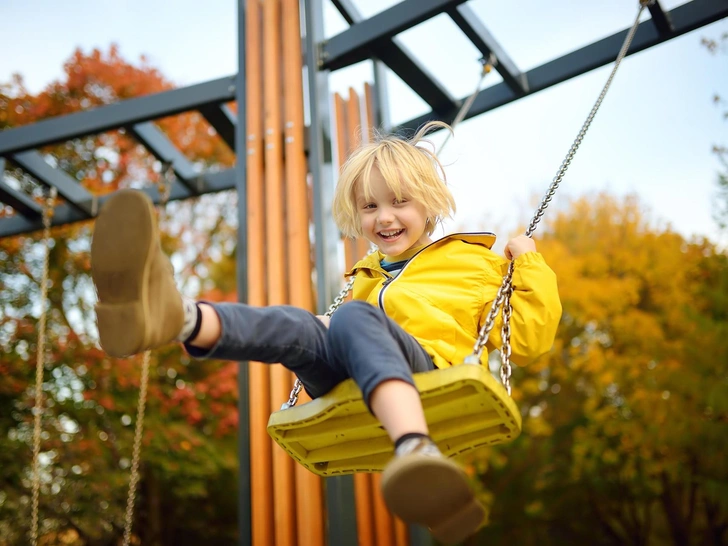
444 293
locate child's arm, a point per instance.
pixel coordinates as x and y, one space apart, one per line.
536 307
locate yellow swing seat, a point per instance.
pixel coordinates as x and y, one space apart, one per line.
465 407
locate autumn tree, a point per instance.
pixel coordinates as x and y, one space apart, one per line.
187 492
719 46
626 420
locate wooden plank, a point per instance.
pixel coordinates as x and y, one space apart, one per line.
309 493
364 509
281 380
384 524
261 476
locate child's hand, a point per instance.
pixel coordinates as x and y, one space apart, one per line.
519 245
324 319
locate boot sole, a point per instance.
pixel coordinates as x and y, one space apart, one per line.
123 242
434 493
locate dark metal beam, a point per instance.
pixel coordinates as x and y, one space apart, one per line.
162 148
222 120
660 19
18 200
403 63
355 44
239 180
341 525
471 25
68 188
66 214
685 18
113 116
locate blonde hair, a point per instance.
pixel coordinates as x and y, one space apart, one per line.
406 168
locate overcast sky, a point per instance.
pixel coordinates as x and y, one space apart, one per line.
653 135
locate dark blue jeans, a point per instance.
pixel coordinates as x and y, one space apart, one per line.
361 342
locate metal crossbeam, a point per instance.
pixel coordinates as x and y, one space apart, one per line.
402 62
162 148
77 196
67 214
685 18
660 19
18 200
471 25
113 116
354 45
222 120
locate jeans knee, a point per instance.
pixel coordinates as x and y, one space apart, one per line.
346 318
352 311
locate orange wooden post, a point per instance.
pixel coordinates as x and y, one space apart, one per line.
353 121
384 524
364 510
356 128
309 495
369 114
401 533
261 479
283 482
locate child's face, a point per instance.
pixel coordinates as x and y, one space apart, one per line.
394 226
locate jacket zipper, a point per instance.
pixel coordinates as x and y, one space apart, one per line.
390 280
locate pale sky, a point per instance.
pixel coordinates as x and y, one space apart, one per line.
653 135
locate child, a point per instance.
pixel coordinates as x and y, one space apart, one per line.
418 305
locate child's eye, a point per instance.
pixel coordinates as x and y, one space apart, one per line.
369 206
400 201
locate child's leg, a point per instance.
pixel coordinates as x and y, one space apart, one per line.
397 405
286 334
381 358
419 484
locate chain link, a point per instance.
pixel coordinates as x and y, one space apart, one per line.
39 367
505 291
136 450
165 188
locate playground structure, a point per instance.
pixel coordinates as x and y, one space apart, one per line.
272 163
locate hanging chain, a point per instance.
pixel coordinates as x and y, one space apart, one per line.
165 188
487 66
39 367
506 289
136 450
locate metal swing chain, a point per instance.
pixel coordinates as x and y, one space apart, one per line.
164 188
506 289
39 367
488 65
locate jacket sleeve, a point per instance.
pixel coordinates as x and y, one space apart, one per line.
536 309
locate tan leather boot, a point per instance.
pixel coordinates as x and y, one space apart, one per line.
139 306
425 488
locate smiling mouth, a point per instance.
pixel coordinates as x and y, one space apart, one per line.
390 235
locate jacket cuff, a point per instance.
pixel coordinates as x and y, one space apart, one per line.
528 258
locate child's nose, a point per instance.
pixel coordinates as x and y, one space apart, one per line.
385 215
